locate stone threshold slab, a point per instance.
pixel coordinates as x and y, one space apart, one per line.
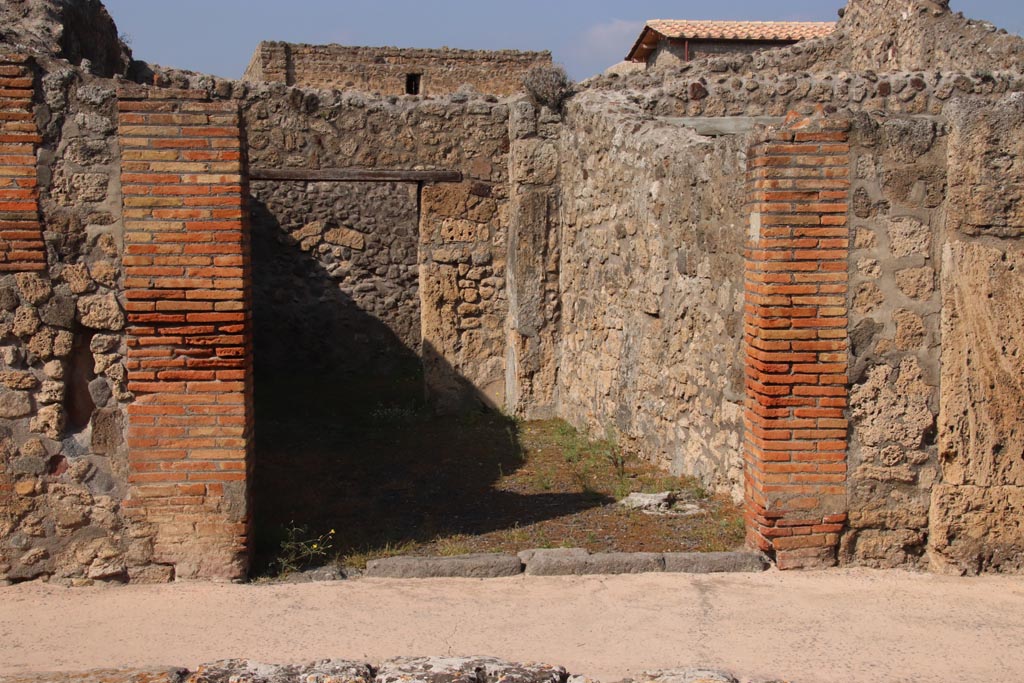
563 562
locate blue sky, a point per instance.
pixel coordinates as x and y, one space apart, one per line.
586 36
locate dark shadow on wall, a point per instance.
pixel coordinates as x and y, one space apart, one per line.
345 438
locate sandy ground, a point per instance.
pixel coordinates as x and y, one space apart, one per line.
844 626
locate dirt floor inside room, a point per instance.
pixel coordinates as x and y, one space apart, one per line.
345 480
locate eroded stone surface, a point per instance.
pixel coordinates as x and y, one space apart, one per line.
972 529
480 566
916 283
597 563
466 670
14 403
527 556
248 671
693 675
894 339
101 312
980 435
714 563
986 178
908 235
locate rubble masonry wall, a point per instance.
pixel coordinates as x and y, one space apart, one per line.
383 70
651 275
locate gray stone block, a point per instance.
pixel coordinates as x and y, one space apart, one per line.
712 563
598 563
527 555
59 311
100 392
14 404
482 566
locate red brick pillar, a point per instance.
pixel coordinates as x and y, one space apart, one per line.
189 336
21 236
796 341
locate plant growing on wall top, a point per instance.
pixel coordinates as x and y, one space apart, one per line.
548 86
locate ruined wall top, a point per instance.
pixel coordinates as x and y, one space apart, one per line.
913 35
872 37
391 70
76 30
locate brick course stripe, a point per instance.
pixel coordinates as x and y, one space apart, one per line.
189 327
795 330
21 237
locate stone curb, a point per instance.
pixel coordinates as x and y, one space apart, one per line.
460 566
563 562
544 564
715 563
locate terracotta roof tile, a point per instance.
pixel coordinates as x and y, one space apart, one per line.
741 30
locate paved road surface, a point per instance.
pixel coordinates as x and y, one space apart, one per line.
848 626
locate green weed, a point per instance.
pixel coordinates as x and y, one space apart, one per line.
299 550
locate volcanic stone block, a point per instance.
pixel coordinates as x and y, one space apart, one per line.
481 566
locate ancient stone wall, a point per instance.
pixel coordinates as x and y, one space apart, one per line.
81 32
898 201
125 379
977 507
463 291
669 54
876 42
920 35
386 70
534 246
63 456
452 255
935 373
651 279
856 370
900 510
715 93
336 284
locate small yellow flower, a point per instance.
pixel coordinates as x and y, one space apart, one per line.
332 531
315 546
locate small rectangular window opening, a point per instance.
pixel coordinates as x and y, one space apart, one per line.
412 84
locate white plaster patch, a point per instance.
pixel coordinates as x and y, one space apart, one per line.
755 226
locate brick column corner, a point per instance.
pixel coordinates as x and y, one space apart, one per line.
795 330
189 308
21 237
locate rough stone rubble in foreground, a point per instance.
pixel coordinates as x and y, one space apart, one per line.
400 670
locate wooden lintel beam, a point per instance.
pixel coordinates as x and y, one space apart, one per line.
355 175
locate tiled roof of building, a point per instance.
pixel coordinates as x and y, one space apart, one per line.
678 29
741 30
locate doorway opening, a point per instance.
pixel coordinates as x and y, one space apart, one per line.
345 439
